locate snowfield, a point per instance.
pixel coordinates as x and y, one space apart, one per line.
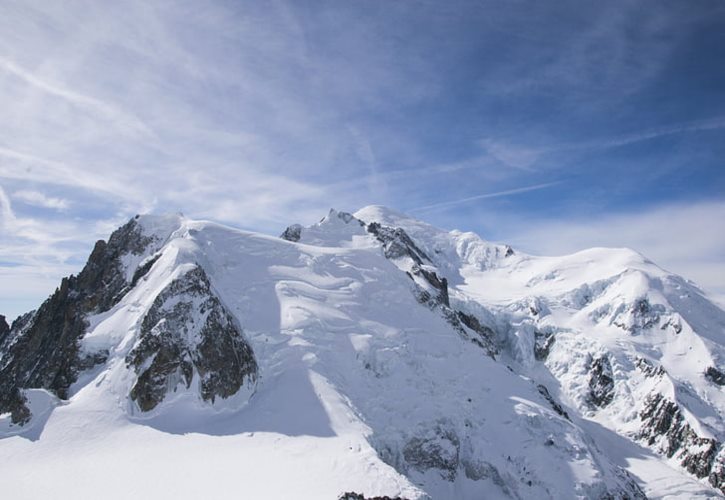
389 358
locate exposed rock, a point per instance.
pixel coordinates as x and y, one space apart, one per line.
346 217
627 489
479 471
358 496
440 284
717 472
715 376
486 336
550 399
665 428
187 332
640 316
4 329
438 450
397 243
649 368
543 341
143 269
674 323
292 233
43 351
601 382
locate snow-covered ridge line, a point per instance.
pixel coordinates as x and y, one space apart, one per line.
428 363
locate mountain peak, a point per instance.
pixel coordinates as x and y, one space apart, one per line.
405 360
383 215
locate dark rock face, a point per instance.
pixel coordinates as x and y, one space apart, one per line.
649 368
715 376
485 337
351 495
397 243
4 329
628 489
143 269
601 382
550 399
42 350
664 427
717 472
440 451
543 341
641 316
292 233
187 332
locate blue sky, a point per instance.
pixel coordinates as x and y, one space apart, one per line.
553 126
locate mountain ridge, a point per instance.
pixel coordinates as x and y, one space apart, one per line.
374 303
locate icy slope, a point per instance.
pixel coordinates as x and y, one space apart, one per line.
631 346
369 353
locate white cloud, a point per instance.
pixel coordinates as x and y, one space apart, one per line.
248 115
524 157
103 109
513 156
38 199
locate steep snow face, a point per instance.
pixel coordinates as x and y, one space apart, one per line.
375 353
630 345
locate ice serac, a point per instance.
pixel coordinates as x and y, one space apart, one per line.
187 334
42 349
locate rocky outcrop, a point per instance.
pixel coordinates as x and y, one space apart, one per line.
714 375
397 244
484 337
552 402
439 450
601 382
43 348
351 495
649 368
543 342
665 428
641 315
292 233
187 334
4 329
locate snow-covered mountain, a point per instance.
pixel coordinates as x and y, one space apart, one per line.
370 353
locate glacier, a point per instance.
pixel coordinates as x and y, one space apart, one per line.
369 353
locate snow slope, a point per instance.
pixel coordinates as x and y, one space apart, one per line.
389 358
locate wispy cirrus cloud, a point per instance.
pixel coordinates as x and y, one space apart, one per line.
498 194
263 114
525 157
38 199
105 110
